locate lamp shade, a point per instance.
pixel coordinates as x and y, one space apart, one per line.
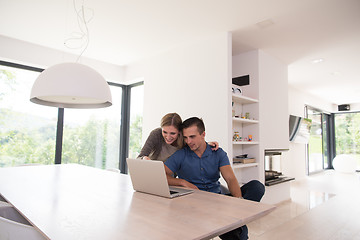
71 85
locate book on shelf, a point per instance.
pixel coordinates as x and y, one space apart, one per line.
244 160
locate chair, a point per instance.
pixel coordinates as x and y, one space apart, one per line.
2 199
13 226
224 190
4 204
223 186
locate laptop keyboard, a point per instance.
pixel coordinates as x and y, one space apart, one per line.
173 192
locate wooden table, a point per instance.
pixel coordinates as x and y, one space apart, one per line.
78 202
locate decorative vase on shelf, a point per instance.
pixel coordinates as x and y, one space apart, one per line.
237 91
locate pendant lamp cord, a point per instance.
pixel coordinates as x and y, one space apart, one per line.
83 35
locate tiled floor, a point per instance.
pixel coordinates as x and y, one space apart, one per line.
322 206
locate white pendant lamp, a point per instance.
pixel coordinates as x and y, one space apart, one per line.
71 85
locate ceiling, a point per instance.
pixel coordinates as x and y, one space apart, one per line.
297 32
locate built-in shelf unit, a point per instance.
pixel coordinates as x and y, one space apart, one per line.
245 122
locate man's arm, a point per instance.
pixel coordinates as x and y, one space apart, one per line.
229 176
177 181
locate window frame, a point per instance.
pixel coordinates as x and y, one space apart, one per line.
334 152
327 142
124 124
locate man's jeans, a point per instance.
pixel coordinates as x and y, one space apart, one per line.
254 191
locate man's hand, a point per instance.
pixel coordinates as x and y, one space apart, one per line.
187 184
177 181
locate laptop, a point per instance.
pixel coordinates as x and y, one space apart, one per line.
148 176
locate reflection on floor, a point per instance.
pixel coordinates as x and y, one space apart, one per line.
322 206
301 201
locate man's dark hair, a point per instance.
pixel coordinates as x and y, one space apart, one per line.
194 121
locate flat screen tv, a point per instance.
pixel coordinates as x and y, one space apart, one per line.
299 129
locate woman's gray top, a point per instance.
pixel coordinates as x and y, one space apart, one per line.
156 148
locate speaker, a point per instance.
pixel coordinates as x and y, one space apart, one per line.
344 107
241 81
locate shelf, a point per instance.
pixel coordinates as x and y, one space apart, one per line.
244 165
243 126
278 181
243 99
244 142
244 120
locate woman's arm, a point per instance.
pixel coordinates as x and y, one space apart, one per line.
152 144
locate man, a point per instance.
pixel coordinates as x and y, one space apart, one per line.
198 167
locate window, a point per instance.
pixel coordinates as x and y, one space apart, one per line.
93 137
315 142
319 143
326 139
347 135
27 130
136 110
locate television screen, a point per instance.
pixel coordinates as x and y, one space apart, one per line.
299 129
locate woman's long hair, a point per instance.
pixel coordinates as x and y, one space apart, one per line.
174 119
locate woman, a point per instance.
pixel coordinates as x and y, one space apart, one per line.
166 140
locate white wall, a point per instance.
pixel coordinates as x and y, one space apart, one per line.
273 97
247 64
294 160
17 51
192 80
298 100
355 107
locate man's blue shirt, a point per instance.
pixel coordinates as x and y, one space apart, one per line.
203 172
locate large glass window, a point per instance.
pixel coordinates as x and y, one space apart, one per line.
27 130
92 136
136 113
326 140
318 147
347 135
315 141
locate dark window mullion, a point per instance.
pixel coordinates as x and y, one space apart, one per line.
125 125
124 128
331 137
20 66
59 136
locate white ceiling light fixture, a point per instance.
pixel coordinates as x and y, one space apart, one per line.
72 85
315 61
265 24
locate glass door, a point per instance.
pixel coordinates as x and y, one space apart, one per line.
318 146
315 147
